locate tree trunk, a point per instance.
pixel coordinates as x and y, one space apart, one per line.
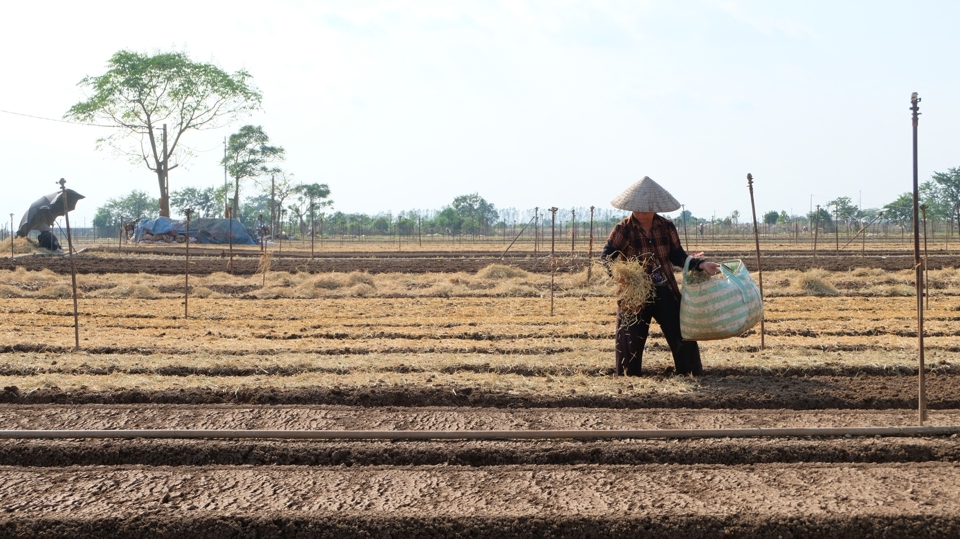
164 196
236 199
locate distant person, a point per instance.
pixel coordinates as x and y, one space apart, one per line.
644 233
700 230
46 239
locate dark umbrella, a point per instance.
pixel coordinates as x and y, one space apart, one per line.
46 210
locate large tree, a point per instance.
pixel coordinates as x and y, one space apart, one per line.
136 205
248 155
155 100
475 214
205 202
310 198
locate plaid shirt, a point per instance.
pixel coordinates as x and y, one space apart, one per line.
629 239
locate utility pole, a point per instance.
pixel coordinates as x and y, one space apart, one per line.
166 176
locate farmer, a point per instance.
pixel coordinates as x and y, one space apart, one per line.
645 234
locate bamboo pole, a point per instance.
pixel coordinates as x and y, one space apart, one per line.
756 237
752 432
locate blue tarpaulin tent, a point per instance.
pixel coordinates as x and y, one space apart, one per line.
203 230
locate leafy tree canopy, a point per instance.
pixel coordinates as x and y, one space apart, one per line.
205 202
248 154
140 93
134 206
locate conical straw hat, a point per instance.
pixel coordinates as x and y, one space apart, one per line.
646 195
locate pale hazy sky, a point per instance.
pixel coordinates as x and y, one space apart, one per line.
402 105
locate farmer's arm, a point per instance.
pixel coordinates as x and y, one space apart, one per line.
678 256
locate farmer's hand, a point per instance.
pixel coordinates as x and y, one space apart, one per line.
711 268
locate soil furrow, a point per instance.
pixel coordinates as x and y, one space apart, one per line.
795 393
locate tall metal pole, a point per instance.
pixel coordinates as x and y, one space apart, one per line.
186 269
313 230
12 252
756 237
573 231
536 227
73 265
836 224
922 397
228 213
816 230
926 278
553 261
683 215
590 249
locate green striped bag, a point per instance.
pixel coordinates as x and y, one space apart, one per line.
719 307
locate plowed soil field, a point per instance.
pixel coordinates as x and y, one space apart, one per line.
446 344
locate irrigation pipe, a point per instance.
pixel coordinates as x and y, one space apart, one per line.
486 434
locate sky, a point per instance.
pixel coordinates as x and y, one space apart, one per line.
404 105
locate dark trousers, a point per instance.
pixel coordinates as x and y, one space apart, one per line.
665 309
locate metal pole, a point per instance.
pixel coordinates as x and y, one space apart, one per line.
573 231
12 252
755 432
816 231
756 237
683 215
186 268
73 265
926 278
590 249
536 227
553 261
515 239
313 230
836 225
922 398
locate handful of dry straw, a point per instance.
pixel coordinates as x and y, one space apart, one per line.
635 284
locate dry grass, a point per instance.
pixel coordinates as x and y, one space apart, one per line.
634 285
816 282
487 330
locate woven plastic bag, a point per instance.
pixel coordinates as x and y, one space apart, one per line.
719 307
